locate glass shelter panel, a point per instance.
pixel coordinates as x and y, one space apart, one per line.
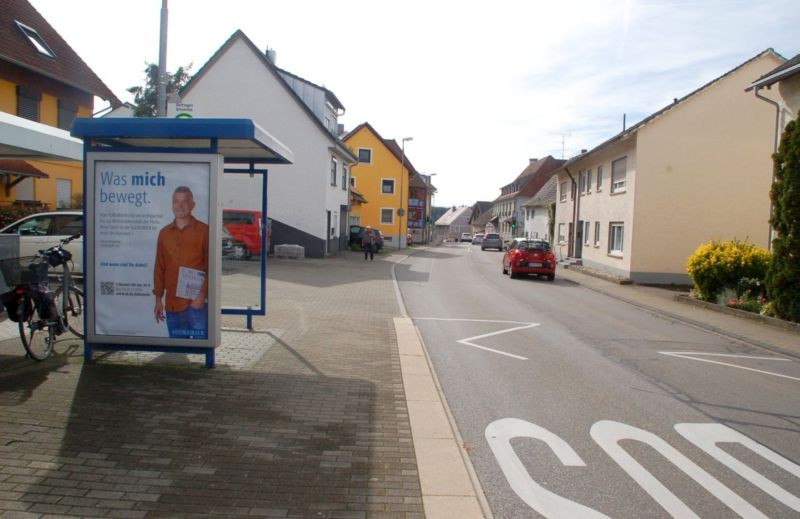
243 245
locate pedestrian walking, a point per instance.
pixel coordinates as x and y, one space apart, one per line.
368 244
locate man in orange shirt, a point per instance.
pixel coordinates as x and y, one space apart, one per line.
181 270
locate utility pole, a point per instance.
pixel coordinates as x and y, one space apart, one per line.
401 211
161 94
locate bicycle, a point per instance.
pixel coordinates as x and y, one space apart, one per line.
43 314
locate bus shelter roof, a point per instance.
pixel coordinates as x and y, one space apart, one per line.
237 140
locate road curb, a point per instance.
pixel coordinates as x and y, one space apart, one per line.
448 482
771 321
449 485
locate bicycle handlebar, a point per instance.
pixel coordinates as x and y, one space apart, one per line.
61 244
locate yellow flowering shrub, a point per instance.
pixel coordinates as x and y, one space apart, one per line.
715 266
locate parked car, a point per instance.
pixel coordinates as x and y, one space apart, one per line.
43 230
478 238
492 240
465 236
357 233
228 250
529 257
245 227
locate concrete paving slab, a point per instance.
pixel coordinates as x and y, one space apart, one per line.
428 420
435 472
451 507
420 387
414 365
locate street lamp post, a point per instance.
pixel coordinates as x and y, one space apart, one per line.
428 206
400 210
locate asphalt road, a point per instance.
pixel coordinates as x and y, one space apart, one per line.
575 404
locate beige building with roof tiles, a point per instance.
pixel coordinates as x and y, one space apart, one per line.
638 205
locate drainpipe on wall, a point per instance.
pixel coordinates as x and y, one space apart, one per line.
575 212
774 150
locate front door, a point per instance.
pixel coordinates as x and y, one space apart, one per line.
328 233
579 240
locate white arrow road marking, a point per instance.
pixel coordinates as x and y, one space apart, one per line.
692 355
468 340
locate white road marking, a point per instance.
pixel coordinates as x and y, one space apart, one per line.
397 294
499 435
467 320
467 341
608 434
692 355
708 435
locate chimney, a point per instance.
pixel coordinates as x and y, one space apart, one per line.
271 55
583 151
533 161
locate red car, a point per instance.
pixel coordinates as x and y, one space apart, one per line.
529 257
245 227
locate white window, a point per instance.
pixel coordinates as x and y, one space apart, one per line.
355 220
387 215
616 235
36 40
63 193
333 171
618 174
387 186
599 178
596 234
344 177
365 155
352 181
587 227
589 181
582 180
563 197
561 237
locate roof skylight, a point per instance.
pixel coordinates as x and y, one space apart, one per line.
36 40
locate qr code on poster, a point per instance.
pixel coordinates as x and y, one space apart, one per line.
106 288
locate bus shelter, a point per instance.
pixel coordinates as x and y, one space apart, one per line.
154 242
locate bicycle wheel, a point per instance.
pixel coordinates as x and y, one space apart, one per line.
38 336
72 309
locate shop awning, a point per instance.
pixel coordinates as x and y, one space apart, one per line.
14 171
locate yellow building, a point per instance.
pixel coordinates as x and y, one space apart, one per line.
382 178
42 80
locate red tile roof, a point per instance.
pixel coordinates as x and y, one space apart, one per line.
67 67
20 167
533 177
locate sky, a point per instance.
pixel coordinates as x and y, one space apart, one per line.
481 86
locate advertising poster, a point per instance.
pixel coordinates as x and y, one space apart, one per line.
151 249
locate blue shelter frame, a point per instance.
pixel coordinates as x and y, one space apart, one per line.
238 141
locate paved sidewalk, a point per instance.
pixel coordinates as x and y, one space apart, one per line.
328 410
662 301
306 418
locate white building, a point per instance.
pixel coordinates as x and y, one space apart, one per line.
308 200
451 224
536 214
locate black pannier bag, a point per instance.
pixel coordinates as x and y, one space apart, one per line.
16 307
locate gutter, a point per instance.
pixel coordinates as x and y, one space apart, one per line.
774 150
576 207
